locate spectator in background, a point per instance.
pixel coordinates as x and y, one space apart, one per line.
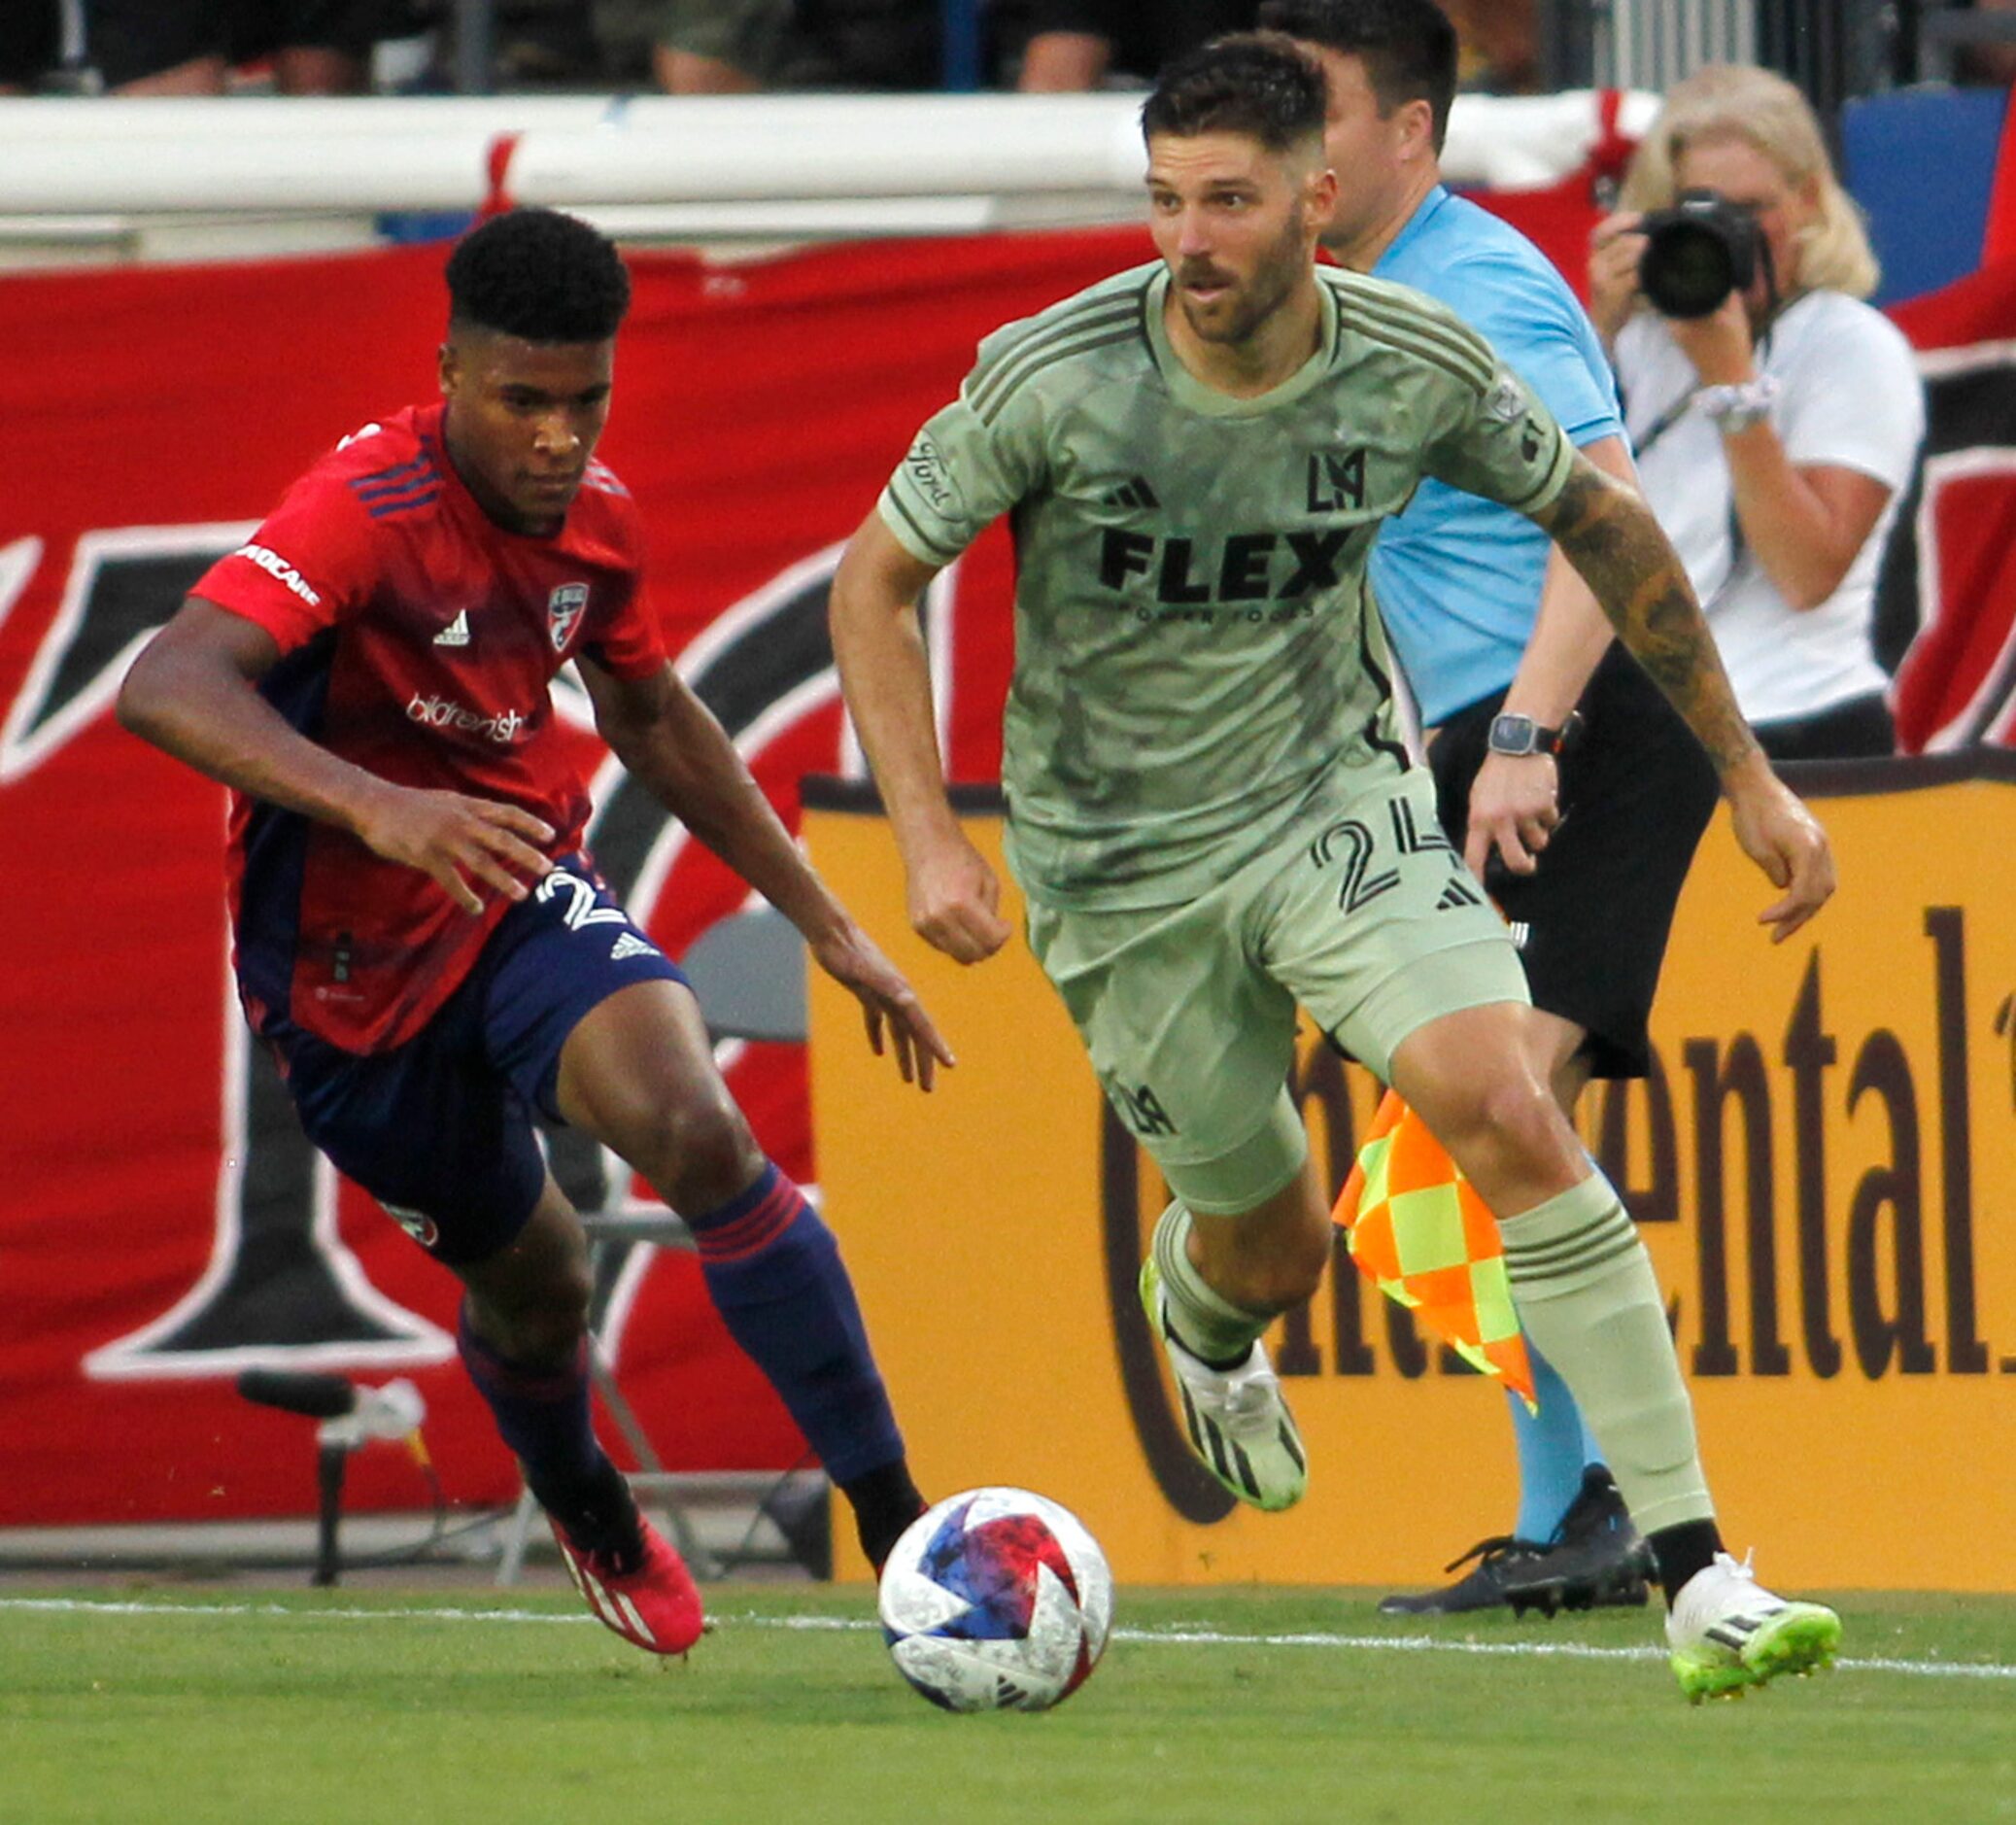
1775 433
1088 44
1991 64
1498 46
31 44
739 46
1092 44
190 46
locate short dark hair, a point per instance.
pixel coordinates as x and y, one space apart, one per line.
540 275
1408 46
1252 83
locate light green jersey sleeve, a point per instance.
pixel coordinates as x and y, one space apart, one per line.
1500 442
963 471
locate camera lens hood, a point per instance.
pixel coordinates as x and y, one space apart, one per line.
1697 253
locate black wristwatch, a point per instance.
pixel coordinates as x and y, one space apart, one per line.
1521 735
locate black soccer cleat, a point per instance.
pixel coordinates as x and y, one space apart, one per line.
1506 1573
1595 1557
1598 1555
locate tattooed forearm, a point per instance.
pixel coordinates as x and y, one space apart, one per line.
1610 536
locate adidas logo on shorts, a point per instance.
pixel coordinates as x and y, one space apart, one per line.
629 944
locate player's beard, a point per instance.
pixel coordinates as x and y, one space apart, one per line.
1248 306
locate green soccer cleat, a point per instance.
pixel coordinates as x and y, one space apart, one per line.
1727 1634
1239 1427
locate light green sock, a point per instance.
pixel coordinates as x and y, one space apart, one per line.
1205 1324
1586 1295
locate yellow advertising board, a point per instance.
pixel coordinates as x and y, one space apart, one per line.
1823 1164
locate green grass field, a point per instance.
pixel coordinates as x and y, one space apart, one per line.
235 1706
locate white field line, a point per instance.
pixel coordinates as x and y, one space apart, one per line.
1180 1636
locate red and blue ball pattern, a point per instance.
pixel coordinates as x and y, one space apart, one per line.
996 1599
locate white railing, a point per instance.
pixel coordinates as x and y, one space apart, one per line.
763 166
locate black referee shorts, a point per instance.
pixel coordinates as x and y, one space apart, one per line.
1636 792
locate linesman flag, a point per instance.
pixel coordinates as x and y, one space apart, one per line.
1419 1233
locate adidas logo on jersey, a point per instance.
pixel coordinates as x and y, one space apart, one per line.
629 944
457 632
1135 492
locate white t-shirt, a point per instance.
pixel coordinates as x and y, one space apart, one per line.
1849 397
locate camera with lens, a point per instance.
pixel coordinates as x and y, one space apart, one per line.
1698 253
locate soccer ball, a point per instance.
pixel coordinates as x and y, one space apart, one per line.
996 1599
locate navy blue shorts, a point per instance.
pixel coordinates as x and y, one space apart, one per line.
440 1130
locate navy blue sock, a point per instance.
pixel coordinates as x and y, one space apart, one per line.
542 1415
776 1278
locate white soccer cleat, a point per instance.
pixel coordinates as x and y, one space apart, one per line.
1239 1427
1727 1634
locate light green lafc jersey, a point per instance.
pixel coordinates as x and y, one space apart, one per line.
1198 662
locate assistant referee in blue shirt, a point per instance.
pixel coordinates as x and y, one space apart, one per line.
1573 788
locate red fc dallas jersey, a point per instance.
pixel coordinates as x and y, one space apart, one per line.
417 639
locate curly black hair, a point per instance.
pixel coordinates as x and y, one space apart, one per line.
540 275
1408 46
1253 83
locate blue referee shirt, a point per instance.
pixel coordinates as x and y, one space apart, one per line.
1459 577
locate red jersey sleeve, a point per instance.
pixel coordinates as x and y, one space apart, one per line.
624 642
622 635
310 564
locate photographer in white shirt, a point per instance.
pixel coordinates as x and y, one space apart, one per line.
1776 429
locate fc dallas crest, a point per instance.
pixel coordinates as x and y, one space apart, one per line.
564 609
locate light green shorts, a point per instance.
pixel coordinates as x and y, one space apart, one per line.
1365 917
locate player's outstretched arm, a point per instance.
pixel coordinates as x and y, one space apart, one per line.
1610 536
670 741
954 898
190 693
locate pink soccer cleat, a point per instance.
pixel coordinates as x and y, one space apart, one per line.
652 1603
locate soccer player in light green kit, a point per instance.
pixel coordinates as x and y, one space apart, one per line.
1211 812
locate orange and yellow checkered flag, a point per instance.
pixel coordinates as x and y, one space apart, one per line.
1419 1233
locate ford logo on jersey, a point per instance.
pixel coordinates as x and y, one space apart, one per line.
562 610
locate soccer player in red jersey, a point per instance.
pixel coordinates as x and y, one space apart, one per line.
423 942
